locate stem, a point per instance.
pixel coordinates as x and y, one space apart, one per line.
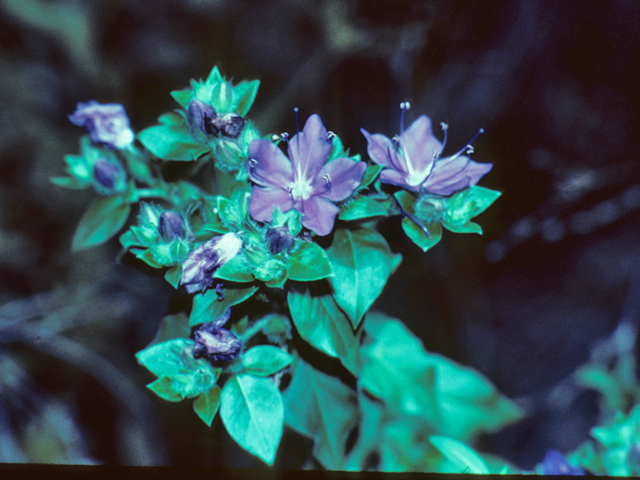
404 213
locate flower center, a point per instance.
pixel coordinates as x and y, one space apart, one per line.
300 189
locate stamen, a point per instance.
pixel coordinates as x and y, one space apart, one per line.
404 213
466 147
327 179
276 138
445 129
404 106
297 123
330 135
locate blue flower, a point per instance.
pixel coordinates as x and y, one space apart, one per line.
107 124
413 162
199 267
303 181
555 463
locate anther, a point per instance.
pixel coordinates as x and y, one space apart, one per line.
468 146
327 179
405 106
330 135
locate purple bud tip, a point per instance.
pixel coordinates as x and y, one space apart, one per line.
107 124
106 174
171 225
279 238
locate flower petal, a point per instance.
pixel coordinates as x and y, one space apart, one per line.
420 146
338 179
378 148
455 173
263 199
268 165
319 214
399 179
309 149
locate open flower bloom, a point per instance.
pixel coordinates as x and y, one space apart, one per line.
413 161
107 124
303 181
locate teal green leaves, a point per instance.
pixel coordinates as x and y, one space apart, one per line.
171 139
457 401
207 404
103 219
179 375
322 408
466 204
207 307
252 411
414 230
361 261
309 262
461 455
320 322
265 360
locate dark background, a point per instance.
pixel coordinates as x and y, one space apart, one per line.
555 85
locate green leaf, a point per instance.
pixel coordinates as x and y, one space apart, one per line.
265 360
245 93
323 408
69 182
173 275
207 404
371 420
309 262
172 141
183 97
362 207
104 218
163 387
415 233
235 270
166 358
463 456
466 204
320 322
252 411
370 175
458 401
207 307
171 327
361 260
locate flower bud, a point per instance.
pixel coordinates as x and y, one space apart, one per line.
217 344
229 125
109 176
197 113
107 124
203 261
171 225
279 238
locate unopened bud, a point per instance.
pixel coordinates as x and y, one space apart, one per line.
171 225
279 238
108 175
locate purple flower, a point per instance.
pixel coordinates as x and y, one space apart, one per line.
107 124
203 261
303 181
413 161
554 463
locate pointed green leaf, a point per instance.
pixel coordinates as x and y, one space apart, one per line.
69 182
322 408
252 411
466 204
207 307
245 93
321 323
166 358
163 387
309 262
104 218
370 175
469 227
214 77
173 275
235 270
183 97
171 327
207 404
362 207
415 233
463 456
265 360
172 140
361 260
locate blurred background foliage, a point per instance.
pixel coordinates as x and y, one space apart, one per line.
555 85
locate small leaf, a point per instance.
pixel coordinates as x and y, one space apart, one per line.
252 411
370 175
166 358
463 456
69 182
163 387
321 323
172 142
173 275
235 270
207 307
207 404
245 93
171 327
415 233
361 260
265 360
183 97
309 262
362 207
104 218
